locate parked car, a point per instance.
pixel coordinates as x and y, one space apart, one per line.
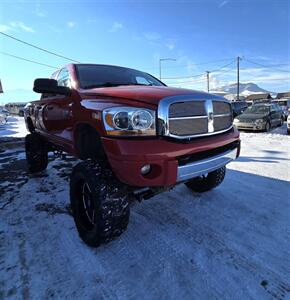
16 108
137 138
288 124
260 117
239 107
3 115
3 119
285 106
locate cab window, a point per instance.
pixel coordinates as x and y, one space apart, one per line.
63 78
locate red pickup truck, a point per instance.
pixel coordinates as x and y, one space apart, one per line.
136 137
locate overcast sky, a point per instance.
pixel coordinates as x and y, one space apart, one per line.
138 33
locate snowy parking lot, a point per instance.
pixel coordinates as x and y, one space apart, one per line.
229 243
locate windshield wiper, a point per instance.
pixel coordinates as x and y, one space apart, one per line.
111 84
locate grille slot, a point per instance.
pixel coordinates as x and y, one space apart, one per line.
220 108
187 109
222 123
188 126
192 118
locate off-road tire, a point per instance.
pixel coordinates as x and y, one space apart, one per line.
36 153
109 211
208 182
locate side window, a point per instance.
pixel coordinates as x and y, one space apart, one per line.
54 75
63 78
142 80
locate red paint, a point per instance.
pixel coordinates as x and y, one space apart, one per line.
57 118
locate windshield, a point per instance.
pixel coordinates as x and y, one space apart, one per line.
257 109
91 76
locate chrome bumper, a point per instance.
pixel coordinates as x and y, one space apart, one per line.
204 166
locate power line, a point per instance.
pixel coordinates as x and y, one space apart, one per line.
28 60
189 64
265 66
202 74
217 70
38 48
183 77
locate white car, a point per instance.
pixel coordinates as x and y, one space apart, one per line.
3 115
288 124
3 119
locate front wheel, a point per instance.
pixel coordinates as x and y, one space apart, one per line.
207 182
99 202
281 122
267 127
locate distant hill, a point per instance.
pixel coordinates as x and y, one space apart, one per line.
245 89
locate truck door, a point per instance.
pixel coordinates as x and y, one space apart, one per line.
57 112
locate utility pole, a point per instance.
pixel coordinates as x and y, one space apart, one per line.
238 78
163 59
207 78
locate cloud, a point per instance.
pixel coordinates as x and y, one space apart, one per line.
268 78
152 36
116 27
171 44
70 24
223 3
4 28
38 12
16 26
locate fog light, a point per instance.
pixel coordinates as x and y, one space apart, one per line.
145 169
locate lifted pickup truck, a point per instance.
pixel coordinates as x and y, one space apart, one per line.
136 137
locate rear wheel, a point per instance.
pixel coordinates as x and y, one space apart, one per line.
36 153
99 202
207 182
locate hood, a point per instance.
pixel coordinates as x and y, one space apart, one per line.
251 116
145 94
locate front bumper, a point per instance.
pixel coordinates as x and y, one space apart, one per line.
250 126
201 167
171 161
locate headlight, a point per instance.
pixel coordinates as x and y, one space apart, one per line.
260 121
129 121
236 120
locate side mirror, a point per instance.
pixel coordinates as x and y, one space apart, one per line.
49 86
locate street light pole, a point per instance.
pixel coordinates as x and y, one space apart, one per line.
207 77
163 59
238 78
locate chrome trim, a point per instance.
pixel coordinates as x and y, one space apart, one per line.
188 118
209 112
205 166
222 115
163 114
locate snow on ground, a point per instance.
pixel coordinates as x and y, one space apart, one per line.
230 243
14 128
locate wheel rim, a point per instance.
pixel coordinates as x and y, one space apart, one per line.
85 210
88 204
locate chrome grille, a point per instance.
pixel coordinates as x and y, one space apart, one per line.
188 126
192 118
184 109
